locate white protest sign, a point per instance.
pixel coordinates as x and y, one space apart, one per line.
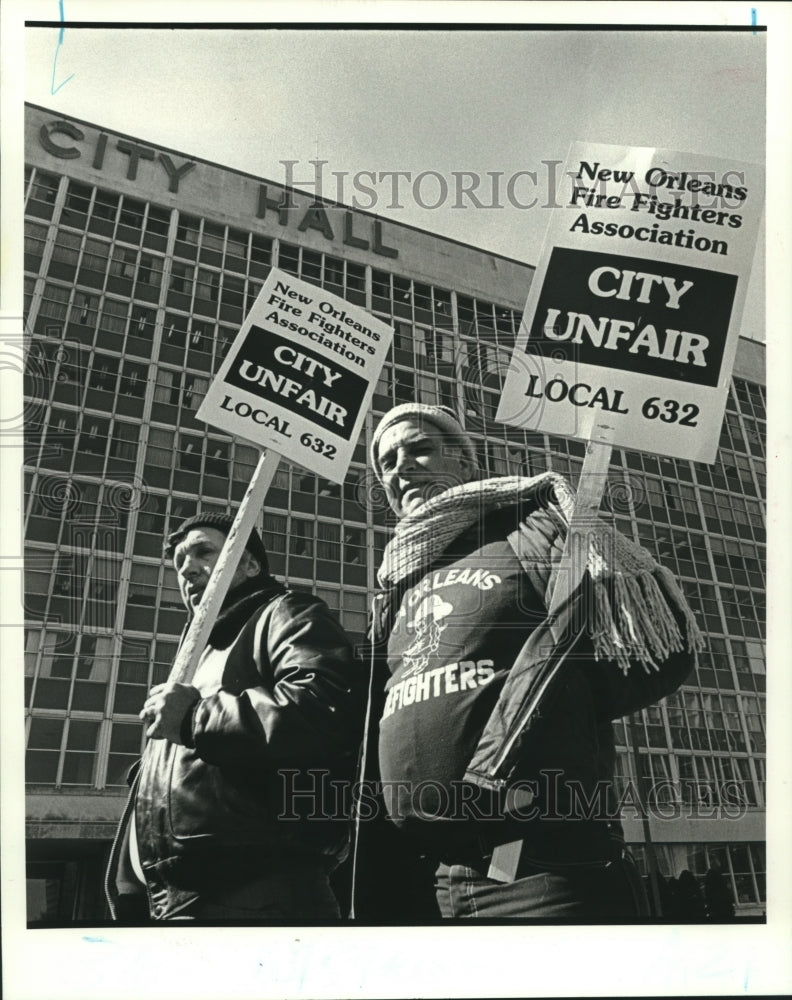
631 324
299 375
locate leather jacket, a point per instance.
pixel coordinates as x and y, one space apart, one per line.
279 717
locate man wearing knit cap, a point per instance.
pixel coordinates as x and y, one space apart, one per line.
229 817
495 748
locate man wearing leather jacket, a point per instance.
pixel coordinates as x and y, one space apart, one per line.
231 814
495 748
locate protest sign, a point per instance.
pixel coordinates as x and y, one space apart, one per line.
299 376
296 381
631 324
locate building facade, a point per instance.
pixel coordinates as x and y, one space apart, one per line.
140 263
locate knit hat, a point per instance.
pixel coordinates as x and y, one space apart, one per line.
224 523
442 417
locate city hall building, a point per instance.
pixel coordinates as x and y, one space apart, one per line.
140 263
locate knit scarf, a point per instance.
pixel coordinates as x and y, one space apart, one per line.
631 615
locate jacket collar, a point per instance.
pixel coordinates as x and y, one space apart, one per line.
239 605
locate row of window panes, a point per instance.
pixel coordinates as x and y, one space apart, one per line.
64 510
65 751
663 500
100 266
197 463
743 865
701 720
154 603
130 220
65 372
730 472
341 277
684 552
210 293
311 494
422 348
74 588
749 663
139 275
755 435
693 782
745 611
484 364
114 324
42 192
402 385
727 514
740 563
487 321
223 247
750 397
713 666
350 607
403 298
127 219
189 342
64 440
480 407
71 672
309 549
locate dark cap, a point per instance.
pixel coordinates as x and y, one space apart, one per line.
223 523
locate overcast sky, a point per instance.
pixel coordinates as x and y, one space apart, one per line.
485 102
409 100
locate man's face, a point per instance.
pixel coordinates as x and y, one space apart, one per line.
194 559
419 462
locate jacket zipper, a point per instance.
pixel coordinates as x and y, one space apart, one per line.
520 724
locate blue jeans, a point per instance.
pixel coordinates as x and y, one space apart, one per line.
606 893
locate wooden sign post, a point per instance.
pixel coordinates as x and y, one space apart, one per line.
202 623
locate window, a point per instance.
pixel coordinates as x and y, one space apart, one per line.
157 226
126 743
105 209
43 192
301 537
79 760
35 240
65 253
274 533
43 753
328 537
260 256
96 254
187 235
181 277
216 463
236 251
189 454
149 275
75 208
130 220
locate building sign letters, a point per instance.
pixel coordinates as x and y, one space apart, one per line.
66 141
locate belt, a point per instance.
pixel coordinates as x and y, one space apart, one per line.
532 861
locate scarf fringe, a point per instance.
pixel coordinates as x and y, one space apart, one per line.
639 623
